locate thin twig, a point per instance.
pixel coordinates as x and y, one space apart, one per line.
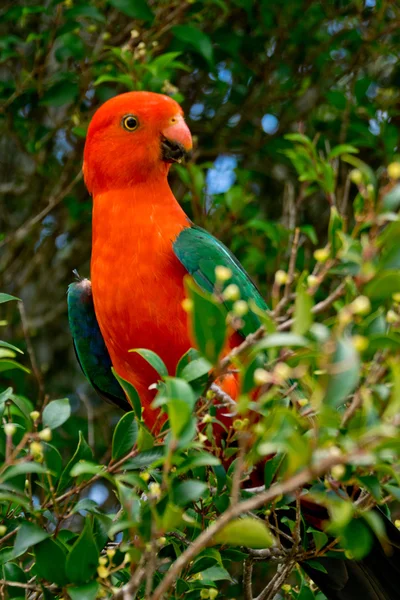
247 579
35 367
320 307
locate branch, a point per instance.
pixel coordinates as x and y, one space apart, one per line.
320 307
297 481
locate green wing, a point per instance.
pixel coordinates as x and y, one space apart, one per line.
89 345
200 252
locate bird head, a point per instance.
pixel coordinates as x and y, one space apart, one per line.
134 138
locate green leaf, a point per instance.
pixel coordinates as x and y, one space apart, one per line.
344 372
82 452
197 39
179 399
84 467
215 573
136 9
22 469
83 558
28 535
7 297
342 149
334 230
278 340
357 538
9 365
125 435
391 201
196 369
271 468
153 359
50 561
383 286
10 346
188 491
145 458
84 592
303 317
61 93
245 532
207 322
131 393
56 413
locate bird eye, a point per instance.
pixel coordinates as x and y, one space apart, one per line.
130 123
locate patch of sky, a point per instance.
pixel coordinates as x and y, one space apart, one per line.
338 54
234 120
271 47
61 241
372 91
221 177
270 124
375 124
196 111
335 26
99 493
62 145
370 3
48 225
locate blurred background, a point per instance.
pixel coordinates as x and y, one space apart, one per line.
246 74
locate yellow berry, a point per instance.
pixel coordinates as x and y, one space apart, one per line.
145 476
231 292
3 530
396 297
36 448
261 377
222 273
321 255
127 558
240 308
391 316
155 489
202 438
134 33
397 523
282 371
207 419
286 587
345 316
281 277
187 305
360 343
103 572
204 593
394 170
45 434
110 553
10 429
102 560
361 305
212 593
312 281
34 415
302 402
338 471
356 176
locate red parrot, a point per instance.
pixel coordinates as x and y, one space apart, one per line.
143 246
136 275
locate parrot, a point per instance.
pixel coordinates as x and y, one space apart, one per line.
143 247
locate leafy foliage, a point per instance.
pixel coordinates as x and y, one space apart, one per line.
302 97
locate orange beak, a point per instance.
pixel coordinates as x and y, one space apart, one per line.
176 141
